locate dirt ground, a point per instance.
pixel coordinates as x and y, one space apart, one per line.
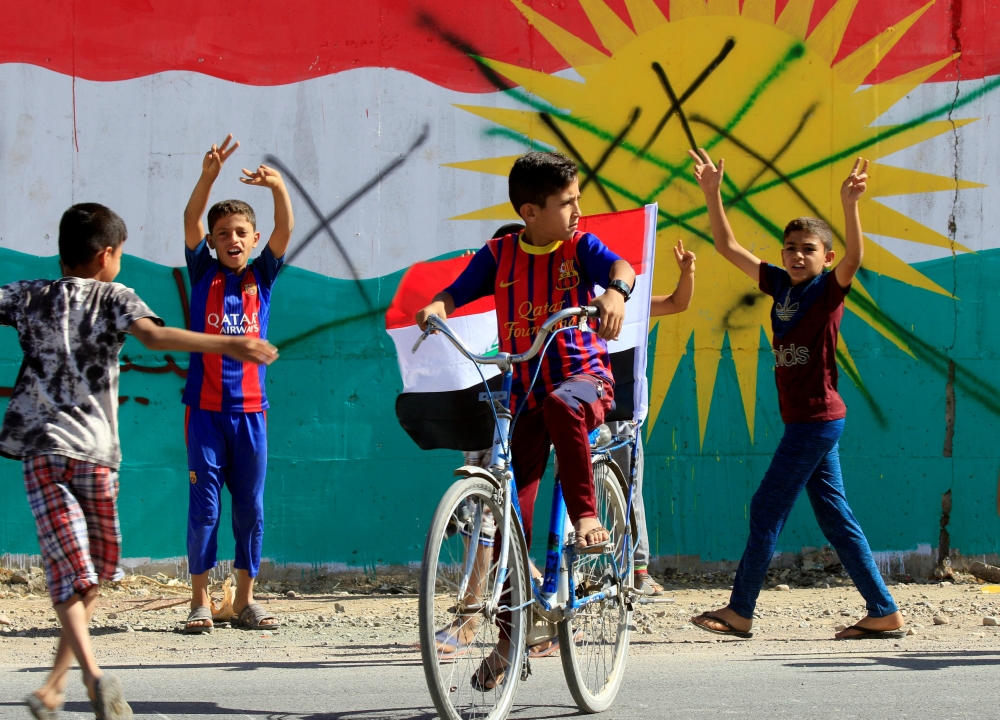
137 620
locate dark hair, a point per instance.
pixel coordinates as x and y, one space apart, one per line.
537 175
507 229
811 226
85 230
226 208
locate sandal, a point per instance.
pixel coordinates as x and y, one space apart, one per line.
251 617
109 702
450 637
480 680
596 548
199 614
731 631
873 634
644 584
40 710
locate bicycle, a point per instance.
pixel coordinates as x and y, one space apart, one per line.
475 578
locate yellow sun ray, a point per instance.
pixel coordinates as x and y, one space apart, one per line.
583 57
887 180
745 346
844 356
880 219
666 358
707 354
489 166
562 93
771 101
645 15
875 100
794 19
826 37
500 211
853 69
893 138
761 11
611 29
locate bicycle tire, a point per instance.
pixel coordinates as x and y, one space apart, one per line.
450 679
593 644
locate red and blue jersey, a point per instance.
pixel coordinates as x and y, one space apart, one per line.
531 283
224 303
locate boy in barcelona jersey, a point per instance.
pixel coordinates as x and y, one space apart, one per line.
805 320
545 268
226 423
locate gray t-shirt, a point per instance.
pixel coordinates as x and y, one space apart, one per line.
65 400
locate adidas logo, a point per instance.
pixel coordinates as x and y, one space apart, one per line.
786 311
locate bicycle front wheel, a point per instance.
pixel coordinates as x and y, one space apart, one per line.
465 648
593 644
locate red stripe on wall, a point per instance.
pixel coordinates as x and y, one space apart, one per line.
432 39
211 382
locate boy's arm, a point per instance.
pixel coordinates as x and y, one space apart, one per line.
611 303
474 282
239 347
680 299
850 192
709 178
268 177
211 165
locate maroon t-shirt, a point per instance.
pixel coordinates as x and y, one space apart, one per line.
805 319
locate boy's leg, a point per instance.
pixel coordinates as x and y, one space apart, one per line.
64 541
575 408
245 480
802 448
530 448
841 528
206 464
53 692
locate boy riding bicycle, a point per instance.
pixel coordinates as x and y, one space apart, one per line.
548 267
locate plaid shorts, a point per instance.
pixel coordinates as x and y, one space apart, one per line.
77 522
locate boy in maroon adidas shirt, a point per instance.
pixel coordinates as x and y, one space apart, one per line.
805 319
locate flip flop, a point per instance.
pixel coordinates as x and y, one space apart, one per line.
596 548
202 612
554 647
40 710
110 701
731 631
251 616
498 675
867 633
645 585
449 637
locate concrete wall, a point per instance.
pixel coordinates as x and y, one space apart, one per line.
413 143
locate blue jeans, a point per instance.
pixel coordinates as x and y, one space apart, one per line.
807 456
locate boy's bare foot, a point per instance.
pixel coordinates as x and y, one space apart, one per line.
738 622
589 531
881 624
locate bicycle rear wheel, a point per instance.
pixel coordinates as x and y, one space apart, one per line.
456 585
593 644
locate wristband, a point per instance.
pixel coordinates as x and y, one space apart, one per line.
622 287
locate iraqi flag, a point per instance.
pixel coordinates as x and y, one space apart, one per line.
440 406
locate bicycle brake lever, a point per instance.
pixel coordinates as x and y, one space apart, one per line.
422 337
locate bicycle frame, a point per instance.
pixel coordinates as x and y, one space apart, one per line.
556 594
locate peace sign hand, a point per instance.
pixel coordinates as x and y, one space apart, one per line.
709 176
856 183
685 258
215 158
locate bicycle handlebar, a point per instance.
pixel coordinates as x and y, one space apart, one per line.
434 323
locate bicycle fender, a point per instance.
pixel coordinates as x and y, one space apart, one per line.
477 472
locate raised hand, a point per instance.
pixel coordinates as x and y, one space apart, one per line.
263 176
215 158
709 176
685 258
856 183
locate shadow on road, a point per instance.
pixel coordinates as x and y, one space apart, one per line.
892 660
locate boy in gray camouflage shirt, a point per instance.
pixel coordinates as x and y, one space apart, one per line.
62 424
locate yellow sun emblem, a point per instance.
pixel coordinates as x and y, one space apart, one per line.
765 95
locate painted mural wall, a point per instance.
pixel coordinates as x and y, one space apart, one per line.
397 123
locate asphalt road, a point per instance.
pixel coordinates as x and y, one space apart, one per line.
776 680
